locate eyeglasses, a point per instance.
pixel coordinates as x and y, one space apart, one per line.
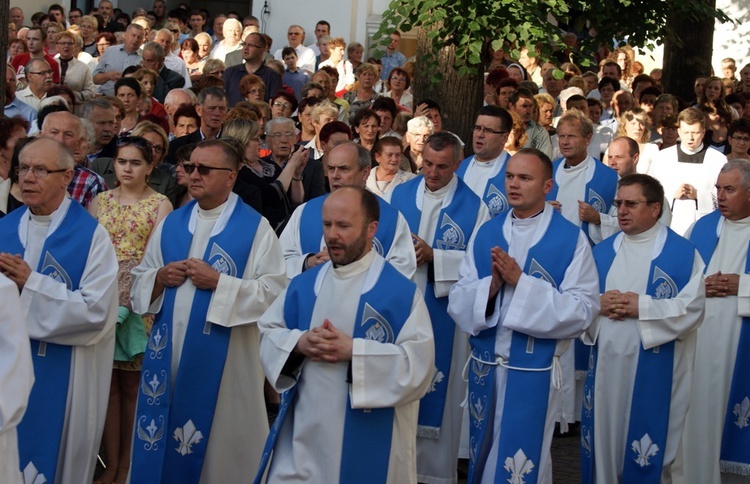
419 136
215 73
741 139
136 141
203 170
484 130
175 31
282 135
279 104
65 44
39 172
629 203
252 45
256 91
294 33
42 73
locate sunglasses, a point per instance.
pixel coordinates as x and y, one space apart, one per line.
202 169
138 141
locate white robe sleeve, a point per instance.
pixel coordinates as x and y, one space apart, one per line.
144 276
743 296
608 226
447 263
539 310
75 318
468 298
16 368
389 375
401 255
237 301
663 320
290 244
277 342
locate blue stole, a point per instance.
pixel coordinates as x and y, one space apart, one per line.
652 391
735 441
494 191
63 258
456 223
529 363
382 311
311 226
186 416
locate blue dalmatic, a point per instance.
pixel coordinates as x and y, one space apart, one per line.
494 191
63 258
311 226
383 309
529 364
456 223
172 430
735 439
648 427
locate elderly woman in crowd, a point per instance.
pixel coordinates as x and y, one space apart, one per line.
103 42
186 121
418 129
11 130
398 82
189 50
320 114
388 174
365 95
307 130
283 105
214 67
252 88
128 90
366 124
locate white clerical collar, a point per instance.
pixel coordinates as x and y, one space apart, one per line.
645 236
355 268
740 222
54 220
225 210
579 167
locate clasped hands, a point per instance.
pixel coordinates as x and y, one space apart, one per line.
722 285
202 275
325 343
505 270
619 305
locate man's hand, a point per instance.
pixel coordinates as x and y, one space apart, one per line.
686 192
606 302
318 258
15 268
508 267
299 160
621 305
202 275
173 274
325 343
497 279
587 213
556 205
422 250
722 285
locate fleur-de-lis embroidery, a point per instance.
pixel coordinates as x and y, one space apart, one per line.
439 377
586 440
150 434
588 400
477 409
518 466
473 449
153 388
480 370
742 411
158 341
32 476
644 450
187 436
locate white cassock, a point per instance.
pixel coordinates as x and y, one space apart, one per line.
384 189
396 375
619 342
533 308
84 319
436 458
672 174
240 424
609 225
714 360
478 173
16 378
401 255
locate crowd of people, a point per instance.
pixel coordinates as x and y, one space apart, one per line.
221 260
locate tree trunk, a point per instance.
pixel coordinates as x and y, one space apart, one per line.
683 64
459 97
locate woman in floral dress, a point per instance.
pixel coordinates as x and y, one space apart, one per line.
130 212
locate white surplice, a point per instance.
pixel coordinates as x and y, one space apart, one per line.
666 168
715 357
619 342
84 319
401 255
240 425
16 378
533 308
436 458
396 375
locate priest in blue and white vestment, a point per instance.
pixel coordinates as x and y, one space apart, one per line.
527 286
716 443
65 267
16 378
582 183
441 209
350 345
302 240
639 379
484 171
209 272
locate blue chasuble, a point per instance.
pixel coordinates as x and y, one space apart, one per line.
311 226
735 441
494 192
529 364
652 392
382 312
172 431
456 223
63 258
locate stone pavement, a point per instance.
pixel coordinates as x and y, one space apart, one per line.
566 458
